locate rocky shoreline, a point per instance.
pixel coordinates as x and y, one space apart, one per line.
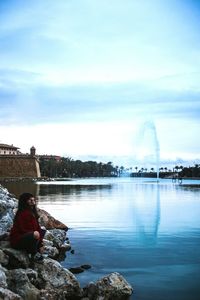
20 278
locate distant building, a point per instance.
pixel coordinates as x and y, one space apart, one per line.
9 150
49 157
32 151
14 164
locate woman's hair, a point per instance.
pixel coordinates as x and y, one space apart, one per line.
23 199
22 204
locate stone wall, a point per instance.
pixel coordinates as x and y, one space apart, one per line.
19 166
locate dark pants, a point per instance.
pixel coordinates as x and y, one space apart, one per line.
29 243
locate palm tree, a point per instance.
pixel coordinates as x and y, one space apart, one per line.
117 170
176 168
121 169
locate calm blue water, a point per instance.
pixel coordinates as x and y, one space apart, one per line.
147 231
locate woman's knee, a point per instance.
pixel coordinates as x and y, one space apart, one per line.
36 235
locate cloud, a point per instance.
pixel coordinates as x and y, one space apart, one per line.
23 93
99 41
115 63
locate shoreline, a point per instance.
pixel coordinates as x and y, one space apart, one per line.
48 179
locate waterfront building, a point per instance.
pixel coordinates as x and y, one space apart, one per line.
14 164
9 150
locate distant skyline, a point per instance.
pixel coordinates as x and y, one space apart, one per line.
89 79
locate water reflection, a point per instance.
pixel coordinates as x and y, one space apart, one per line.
63 189
147 213
17 188
105 204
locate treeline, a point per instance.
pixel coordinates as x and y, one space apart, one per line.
190 171
69 168
66 167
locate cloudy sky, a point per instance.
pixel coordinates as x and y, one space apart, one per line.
101 79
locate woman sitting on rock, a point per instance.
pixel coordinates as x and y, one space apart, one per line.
26 233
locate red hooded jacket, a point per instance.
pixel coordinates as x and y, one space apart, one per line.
25 222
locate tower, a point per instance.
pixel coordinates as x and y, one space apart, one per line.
32 151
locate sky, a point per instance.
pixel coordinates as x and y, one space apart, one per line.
115 80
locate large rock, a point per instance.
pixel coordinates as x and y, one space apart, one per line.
19 281
50 222
57 236
50 294
3 282
52 252
6 294
57 280
110 287
7 205
55 243
17 258
4 259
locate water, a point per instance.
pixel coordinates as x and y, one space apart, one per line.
147 231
